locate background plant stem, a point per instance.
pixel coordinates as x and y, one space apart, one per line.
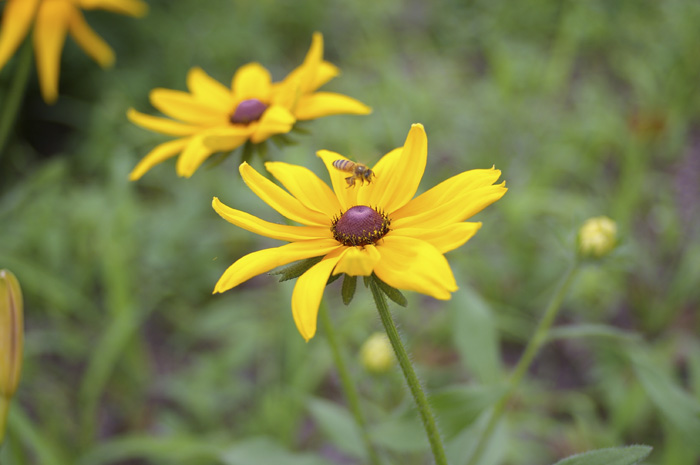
15 93
525 361
347 382
426 412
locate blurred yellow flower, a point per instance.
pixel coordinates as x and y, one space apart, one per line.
213 118
11 341
376 228
52 20
376 353
597 237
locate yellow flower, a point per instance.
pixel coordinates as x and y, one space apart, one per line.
376 228
597 237
213 118
52 20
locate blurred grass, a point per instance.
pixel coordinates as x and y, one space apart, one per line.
588 108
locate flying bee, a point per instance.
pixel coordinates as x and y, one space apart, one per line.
358 170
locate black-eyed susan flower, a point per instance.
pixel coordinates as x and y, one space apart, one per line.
212 118
52 20
376 229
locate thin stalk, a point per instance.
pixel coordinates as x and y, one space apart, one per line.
15 93
538 339
409 373
4 410
348 385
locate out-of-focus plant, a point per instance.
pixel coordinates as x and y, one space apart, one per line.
11 341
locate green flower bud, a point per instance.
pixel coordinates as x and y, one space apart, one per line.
597 237
376 353
11 340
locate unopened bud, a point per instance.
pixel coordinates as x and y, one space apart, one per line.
597 237
11 341
376 353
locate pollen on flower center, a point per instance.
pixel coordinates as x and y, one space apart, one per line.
248 111
360 225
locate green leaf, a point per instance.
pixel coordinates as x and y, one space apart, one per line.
401 433
475 336
339 426
390 292
680 408
172 449
459 406
592 330
348 290
264 451
333 278
612 456
296 269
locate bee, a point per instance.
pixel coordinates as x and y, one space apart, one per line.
358 170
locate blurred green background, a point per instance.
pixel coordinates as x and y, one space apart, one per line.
588 107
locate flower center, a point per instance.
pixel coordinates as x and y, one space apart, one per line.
360 225
248 111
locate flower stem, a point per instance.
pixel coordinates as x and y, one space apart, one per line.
409 373
15 93
4 408
538 339
348 385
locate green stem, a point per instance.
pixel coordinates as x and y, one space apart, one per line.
15 94
409 373
346 381
4 410
538 339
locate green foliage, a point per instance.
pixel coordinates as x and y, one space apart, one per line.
588 108
614 456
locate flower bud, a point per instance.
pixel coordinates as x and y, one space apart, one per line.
376 353
11 339
597 237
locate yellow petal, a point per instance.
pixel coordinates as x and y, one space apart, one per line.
49 35
414 265
192 157
263 261
89 41
320 104
275 120
308 292
267 229
162 125
226 138
448 189
161 153
183 106
461 206
252 81
346 197
303 184
397 174
208 90
325 72
444 239
358 261
16 19
126 7
280 200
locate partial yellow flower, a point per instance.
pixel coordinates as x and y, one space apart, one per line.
52 19
376 228
212 118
